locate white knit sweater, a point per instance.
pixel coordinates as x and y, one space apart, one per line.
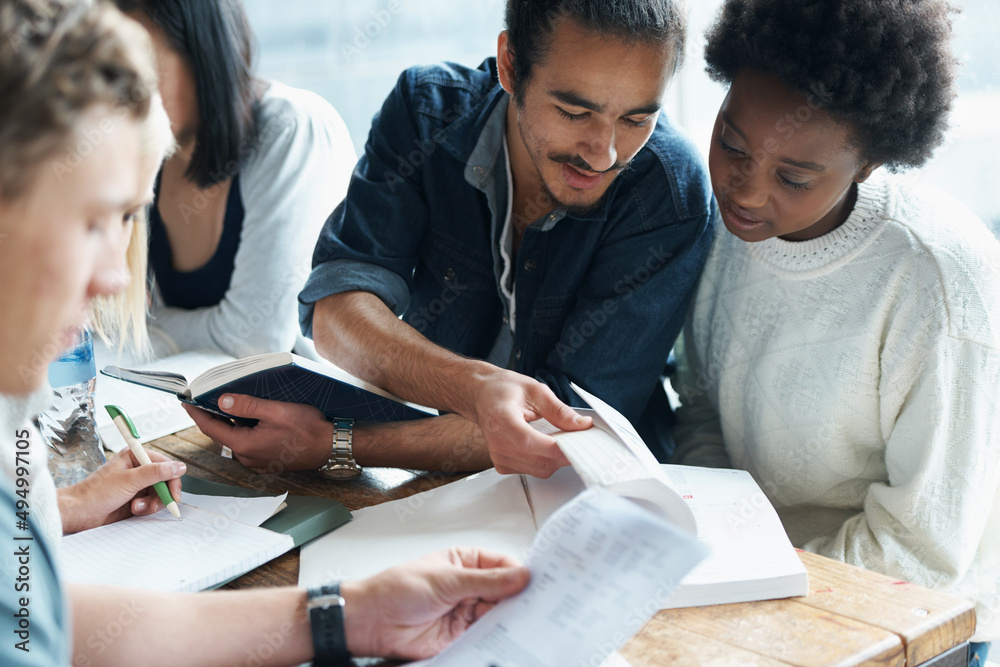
856 377
16 415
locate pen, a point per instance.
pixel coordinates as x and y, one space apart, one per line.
131 436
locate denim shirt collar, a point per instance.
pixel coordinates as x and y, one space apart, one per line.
477 137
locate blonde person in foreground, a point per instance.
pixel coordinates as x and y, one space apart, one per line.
844 342
81 139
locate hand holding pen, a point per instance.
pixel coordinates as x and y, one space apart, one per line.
131 436
119 489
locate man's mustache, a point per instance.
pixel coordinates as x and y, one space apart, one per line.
580 163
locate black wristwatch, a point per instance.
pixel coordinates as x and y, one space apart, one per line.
326 619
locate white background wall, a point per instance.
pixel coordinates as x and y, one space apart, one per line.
352 51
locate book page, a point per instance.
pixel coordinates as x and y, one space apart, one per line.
251 511
751 557
159 552
595 566
155 413
487 510
602 456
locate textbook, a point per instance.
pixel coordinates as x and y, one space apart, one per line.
280 376
750 559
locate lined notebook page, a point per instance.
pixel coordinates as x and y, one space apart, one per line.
159 552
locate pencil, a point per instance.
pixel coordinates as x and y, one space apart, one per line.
131 436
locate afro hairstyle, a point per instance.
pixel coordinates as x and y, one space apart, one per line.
884 68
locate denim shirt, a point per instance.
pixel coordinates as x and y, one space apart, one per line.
600 298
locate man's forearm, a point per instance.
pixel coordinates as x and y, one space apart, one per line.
450 443
356 331
123 626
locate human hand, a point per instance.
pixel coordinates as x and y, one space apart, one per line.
117 490
418 609
504 402
288 436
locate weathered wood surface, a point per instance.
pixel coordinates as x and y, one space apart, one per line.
851 616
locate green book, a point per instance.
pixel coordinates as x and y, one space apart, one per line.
305 517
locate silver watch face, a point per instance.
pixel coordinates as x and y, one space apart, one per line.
341 472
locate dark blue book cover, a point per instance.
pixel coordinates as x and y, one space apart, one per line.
281 377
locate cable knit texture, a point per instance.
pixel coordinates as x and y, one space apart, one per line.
856 377
17 414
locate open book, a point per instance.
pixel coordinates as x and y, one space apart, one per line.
154 413
280 376
751 557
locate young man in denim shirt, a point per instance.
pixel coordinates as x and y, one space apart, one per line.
510 229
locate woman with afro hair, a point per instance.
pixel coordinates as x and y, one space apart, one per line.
844 343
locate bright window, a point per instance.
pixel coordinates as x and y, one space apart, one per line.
352 51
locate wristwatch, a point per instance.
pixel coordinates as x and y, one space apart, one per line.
342 464
326 620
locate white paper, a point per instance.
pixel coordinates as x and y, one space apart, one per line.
598 568
251 511
752 558
154 413
614 660
159 552
487 510
612 455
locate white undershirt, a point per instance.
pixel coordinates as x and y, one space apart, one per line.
507 241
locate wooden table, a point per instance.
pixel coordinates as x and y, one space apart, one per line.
850 617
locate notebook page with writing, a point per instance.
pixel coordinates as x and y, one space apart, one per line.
589 588
159 552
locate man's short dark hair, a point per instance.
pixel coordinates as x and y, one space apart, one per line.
530 24
885 68
215 38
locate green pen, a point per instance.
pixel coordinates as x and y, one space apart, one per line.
131 436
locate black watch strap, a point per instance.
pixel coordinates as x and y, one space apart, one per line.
326 618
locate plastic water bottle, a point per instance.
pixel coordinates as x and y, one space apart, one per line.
69 426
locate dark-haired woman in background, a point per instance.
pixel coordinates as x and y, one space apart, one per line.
258 169
844 342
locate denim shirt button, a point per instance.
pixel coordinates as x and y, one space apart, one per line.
506 320
530 265
517 355
449 275
478 171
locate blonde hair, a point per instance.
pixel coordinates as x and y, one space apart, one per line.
121 319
